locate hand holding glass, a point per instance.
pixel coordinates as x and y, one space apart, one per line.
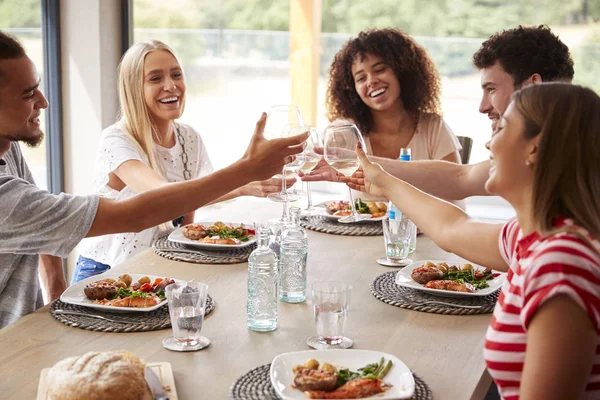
311 158
340 153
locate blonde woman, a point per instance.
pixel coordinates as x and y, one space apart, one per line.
147 149
543 339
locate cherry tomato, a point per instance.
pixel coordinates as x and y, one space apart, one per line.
146 287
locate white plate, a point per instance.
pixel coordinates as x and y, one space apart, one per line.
404 279
177 237
337 217
74 293
399 376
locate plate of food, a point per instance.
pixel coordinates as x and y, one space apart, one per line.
341 374
337 209
214 235
450 279
119 292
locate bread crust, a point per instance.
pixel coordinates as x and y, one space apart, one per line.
98 376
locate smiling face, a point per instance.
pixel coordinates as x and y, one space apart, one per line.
21 101
376 83
510 174
164 86
497 86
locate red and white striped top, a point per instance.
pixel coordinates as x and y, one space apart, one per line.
539 269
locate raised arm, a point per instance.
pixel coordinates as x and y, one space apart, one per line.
447 225
263 159
442 179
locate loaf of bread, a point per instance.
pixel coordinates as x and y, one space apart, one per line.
98 376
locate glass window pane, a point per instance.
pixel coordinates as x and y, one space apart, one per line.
22 18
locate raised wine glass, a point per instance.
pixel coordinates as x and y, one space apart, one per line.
340 153
285 121
311 158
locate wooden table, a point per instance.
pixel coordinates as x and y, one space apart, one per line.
446 351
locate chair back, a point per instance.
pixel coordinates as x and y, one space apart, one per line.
465 152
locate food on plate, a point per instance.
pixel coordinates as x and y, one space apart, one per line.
426 273
100 290
342 208
218 233
98 375
141 294
445 284
325 381
462 278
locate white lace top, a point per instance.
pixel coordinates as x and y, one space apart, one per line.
115 148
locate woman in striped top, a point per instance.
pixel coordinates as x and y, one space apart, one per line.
543 341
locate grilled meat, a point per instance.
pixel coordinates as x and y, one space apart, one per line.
426 273
312 379
354 389
450 285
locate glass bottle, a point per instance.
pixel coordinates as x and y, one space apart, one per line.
294 254
263 285
395 215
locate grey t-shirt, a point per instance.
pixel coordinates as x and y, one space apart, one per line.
33 222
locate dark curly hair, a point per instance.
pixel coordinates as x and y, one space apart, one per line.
416 72
10 48
526 50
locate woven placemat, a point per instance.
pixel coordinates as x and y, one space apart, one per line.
202 256
321 224
256 385
384 288
140 321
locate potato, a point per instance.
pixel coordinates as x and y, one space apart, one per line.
126 279
108 280
219 224
429 264
466 267
328 367
442 267
372 207
453 268
120 284
297 368
382 207
312 364
143 279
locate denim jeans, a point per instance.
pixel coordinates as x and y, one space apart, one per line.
87 267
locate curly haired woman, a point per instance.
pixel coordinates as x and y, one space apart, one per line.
385 83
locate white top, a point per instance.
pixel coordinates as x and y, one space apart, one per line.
115 148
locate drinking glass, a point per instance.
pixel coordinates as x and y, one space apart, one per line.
397 236
187 304
330 306
285 121
340 153
311 159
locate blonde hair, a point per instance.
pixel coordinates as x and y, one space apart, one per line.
134 116
566 179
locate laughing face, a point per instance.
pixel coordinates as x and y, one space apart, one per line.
21 102
497 86
164 86
376 83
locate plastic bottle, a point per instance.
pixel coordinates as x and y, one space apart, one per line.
293 257
263 285
394 213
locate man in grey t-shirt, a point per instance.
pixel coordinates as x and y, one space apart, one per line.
34 222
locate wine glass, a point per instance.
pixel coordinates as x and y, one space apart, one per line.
340 153
311 158
284 121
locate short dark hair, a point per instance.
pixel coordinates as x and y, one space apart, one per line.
527 50
10 48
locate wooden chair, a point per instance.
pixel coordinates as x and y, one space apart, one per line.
465 153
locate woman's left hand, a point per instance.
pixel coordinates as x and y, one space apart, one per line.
266 187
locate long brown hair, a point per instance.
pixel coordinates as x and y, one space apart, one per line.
567 169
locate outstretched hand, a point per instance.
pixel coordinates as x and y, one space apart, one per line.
266 158
369 178
322 172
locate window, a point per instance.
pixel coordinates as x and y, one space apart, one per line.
22 18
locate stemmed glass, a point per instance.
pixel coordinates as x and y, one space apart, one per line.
285 121
311 159
340 153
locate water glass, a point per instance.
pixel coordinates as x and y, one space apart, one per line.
187 305
397 236
330 306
